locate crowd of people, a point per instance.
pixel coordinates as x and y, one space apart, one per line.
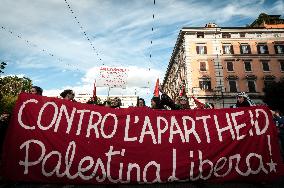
164 102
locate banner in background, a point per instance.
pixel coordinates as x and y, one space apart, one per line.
114 77
54 140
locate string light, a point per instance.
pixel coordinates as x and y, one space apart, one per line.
33 45
151 42
84 33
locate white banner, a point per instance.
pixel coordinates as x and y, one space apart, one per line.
112 77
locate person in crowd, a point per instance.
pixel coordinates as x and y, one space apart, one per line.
91 100
279 119
183 103
141 102
177 102
4 122
243 100
115 102
106 103
68 94
155 103
36 90
168 104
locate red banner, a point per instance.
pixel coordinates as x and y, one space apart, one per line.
53 140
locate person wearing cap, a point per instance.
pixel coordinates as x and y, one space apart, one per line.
243 100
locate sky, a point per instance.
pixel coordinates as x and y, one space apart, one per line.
61 44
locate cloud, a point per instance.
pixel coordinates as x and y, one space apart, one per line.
140 82
18 75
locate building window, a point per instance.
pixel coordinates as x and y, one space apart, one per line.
228 49
265 66
251 86
205 84
247 66
202 66
279 49
233 86
200 35
281 65
268 80
262 49
245 49
230 66
226 35
201 49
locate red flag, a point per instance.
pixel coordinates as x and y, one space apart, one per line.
200 105
156 91
182 91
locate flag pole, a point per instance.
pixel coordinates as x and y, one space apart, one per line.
108 91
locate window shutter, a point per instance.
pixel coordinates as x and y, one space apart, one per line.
275 48
258 49
249 50
205 49
241 49
232 49
197 49
266 49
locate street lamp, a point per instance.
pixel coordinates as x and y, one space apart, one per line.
220 89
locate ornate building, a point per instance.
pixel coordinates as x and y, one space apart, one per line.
215 63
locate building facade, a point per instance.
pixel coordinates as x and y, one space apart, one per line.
215 63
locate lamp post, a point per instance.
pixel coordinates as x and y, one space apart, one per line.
220 89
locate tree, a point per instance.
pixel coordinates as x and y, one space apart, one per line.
10 87
274 95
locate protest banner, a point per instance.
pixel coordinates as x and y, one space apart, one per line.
113 77
54 140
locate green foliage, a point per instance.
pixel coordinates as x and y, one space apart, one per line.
7 104
10 87
274 95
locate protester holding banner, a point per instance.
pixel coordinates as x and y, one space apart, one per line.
243 100
115 103
91 101
183 102
106 103
36 90
68 94
141 102
166 101
155 103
